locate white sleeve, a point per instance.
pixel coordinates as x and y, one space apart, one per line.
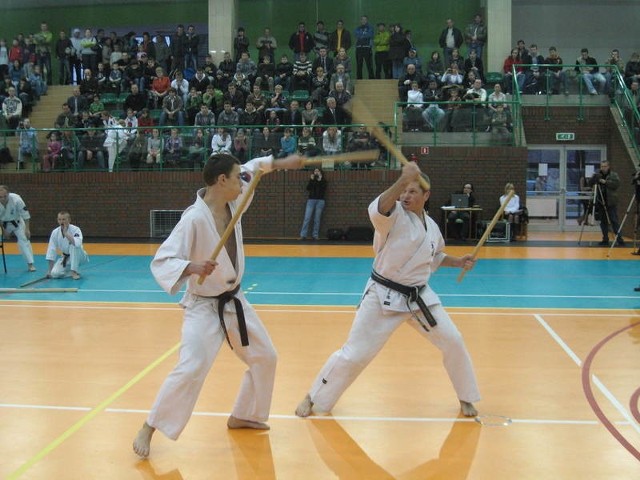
172 258
52 254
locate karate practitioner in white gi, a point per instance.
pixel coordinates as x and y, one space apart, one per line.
65 252
14 217
184 257
409 248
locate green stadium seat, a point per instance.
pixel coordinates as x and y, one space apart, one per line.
299 95
109 98
493 77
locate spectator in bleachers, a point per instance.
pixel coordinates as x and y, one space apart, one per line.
136 100
137 150
241 83
116 55
632 68
101 77
198 148
131 122
205 118
404 83
450 38
613 60
104 55
533 73
221 142
341 95
273 121
92 149
413 59
177 48
500 125
306 142
228 116
226 70
435 68
511 62
114 82
278 102
332 114
240 146
587 67
343 77
192 106
88 85
26 95
293 115
474 64
173 146
181 86
413 111
44 44
191 43
557 76
339 38
259 99
398 49
159 88
12 109
200 81
381 51
251 117
4 58
145 120
364 47
310 113
288 143
147 45
96 107
301 41
50 158
342 59
433 114
479 93
77 103
154 147
235 97
27 142
522 50
172 109
267 45
332 141
301 79
15 72
241 44
265 143
70 146
247 67
284 72
63 49
320 37
475 35
212 98
497 97
266 74
64 119
451 108
323 60
319 86
89 51
163 52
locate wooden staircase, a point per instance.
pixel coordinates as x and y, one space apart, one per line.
379 96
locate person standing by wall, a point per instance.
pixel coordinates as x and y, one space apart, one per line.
606 182
317 186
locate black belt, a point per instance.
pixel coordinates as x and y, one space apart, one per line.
412 294
12 222
225 298
65 259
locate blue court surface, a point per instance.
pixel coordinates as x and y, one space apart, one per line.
526 283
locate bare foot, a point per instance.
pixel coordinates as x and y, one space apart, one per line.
468 410
142 442
234 423
75 275
305 407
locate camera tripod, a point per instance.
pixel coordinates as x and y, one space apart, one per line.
598 199
624 219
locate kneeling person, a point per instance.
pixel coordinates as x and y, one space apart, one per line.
66 241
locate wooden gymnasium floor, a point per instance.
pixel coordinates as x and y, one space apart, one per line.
553 329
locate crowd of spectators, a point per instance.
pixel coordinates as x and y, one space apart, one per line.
127 85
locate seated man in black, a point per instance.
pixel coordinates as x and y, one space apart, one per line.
460 221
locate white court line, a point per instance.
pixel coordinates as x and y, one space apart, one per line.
523 421
603 389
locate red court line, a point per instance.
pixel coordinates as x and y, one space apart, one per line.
588 391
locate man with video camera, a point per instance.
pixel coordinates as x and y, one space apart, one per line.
606 183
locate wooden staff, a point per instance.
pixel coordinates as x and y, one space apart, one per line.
33 282
363 115
38 290
236 216
355 157
487 232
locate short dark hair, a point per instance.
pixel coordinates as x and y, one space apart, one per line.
218 164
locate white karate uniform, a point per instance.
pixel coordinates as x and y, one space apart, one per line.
12 217
115 142
193 239
59 246
408 254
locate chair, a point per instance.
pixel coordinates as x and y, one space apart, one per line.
491 78
4 260
109 98
299 95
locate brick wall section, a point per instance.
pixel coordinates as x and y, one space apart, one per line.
117 205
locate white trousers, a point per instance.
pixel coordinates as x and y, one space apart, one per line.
77 256
202 337
371 329
23 242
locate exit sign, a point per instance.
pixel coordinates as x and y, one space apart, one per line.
424 150
565 137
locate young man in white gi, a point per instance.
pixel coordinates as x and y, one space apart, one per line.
209 318
14 217
409 247
65 252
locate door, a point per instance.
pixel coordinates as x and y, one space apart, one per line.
557 193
